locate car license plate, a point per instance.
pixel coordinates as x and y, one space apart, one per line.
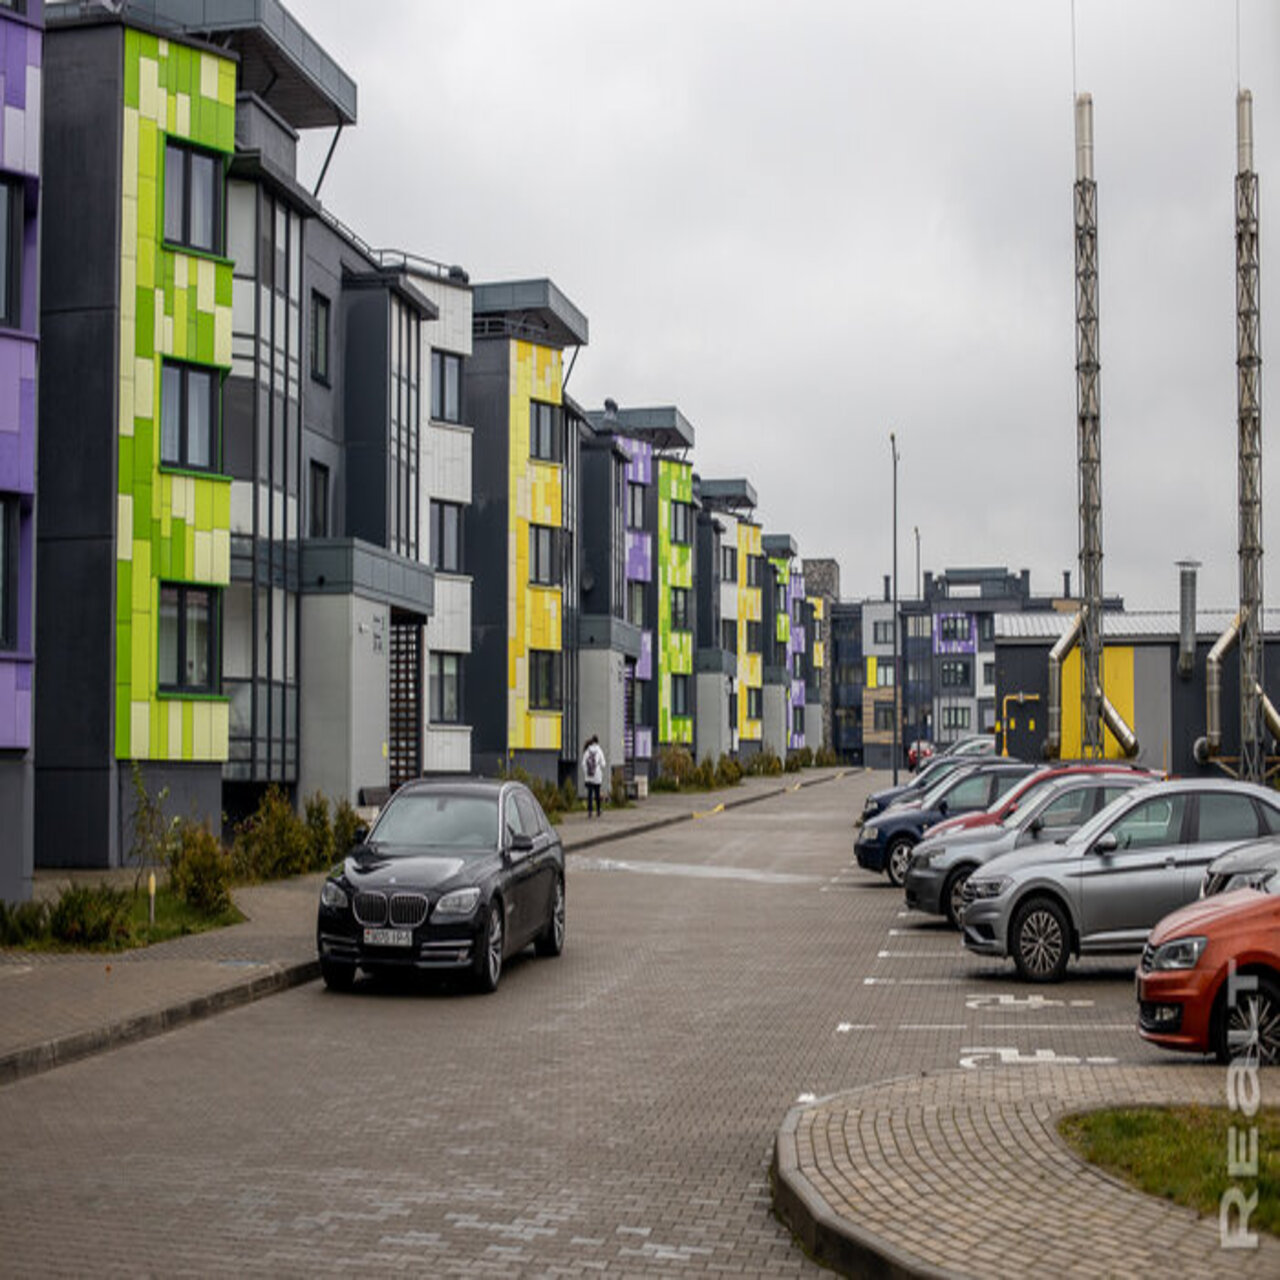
388 937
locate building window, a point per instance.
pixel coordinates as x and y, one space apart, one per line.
755 637
446 386
882 632
988 673
954 626
544 680
544 436
8 573
729 564
635 603
188 416
14 6
680 609
884 717
11 206
319 526
919 626
986 626
544 566
797 666
635 506
320 338
755 570
188 638
680 695
192 198
797 720
955 717
446 536
955 673
755 699
884 675
681 523
446 688
729 634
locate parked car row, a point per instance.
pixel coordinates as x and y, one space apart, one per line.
1105 859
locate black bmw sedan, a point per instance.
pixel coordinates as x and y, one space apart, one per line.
454 875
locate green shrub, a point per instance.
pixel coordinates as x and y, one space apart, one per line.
765 763
568 796
272 843
92 916
663 782
345 822
728 772
705 776
793 762
618 796
825 757
676 763
23 922
547 794
320 844
200 870
805 756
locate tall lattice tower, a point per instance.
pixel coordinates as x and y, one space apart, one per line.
1253 763
1088 433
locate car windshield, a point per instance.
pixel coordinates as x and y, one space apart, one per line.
931 797
440 821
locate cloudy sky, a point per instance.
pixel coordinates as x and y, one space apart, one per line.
811 224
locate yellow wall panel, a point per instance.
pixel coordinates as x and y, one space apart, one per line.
1117 682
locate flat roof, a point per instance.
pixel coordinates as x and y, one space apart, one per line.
730 495
779 544
663 426
533 309
1159 624
279 60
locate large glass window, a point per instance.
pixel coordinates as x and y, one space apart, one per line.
544 437
884 717
10 254
635 603
755 637
319 337
446 386
755 570
635 506
188 416
755 703
681 523
729 634
446 536
319 497
882 632
729 564
192 198
544 567
955 673
188 638
8 573
955 717
954 627
680 695
680 609
446 688
544 680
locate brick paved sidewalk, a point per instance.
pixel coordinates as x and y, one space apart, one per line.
964 1174
55 1008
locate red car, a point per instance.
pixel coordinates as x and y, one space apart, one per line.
918 752
1025 789
1187 998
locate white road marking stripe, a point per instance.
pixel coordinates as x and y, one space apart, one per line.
931 1026
913 982
919 955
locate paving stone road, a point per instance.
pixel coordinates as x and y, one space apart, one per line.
614 1109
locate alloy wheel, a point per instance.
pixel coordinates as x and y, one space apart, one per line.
899 862
1040 942
557 916
1253 1027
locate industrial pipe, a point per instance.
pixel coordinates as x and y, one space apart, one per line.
1209 746
1057 655
1114 721
1269 713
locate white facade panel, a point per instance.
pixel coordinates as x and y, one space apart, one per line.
446 463
447 749
600 694
711 726
449 627
452 331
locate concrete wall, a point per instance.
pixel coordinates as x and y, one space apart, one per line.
775 718
713 737
600 687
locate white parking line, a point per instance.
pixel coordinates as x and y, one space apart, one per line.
913 982
1056 1026
931 1026
918 955
844 1028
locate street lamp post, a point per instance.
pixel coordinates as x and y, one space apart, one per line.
897 749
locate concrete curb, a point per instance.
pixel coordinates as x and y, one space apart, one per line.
828 1239
83 1044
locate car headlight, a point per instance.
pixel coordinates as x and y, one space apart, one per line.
1251 880
461 902
1181 953
988 888
332 895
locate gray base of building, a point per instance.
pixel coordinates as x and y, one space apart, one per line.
17 792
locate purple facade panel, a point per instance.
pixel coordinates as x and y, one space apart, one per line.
640 468
644 666
954 622
639 556
644 744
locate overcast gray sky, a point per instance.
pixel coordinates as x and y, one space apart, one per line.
810 224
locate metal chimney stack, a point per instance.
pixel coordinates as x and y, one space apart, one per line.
1248 388
1088 433
1187 617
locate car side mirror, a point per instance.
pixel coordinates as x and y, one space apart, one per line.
1106 843
942 806
1036 826
520 843
360 835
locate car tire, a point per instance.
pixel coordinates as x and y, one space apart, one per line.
897 860
952 891
337 976
550 942
1256 1016
1040 941
489 956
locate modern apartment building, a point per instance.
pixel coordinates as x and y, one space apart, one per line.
822 583
520 531
848 680
21 57
785 675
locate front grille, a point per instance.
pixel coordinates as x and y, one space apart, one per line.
1148 954
408 910
370 908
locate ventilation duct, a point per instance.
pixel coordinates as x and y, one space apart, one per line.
1187 617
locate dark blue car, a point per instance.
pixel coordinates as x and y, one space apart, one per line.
885 843
938 768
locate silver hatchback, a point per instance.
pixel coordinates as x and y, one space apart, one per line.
1102 890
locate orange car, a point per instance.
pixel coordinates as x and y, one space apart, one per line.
1187 997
